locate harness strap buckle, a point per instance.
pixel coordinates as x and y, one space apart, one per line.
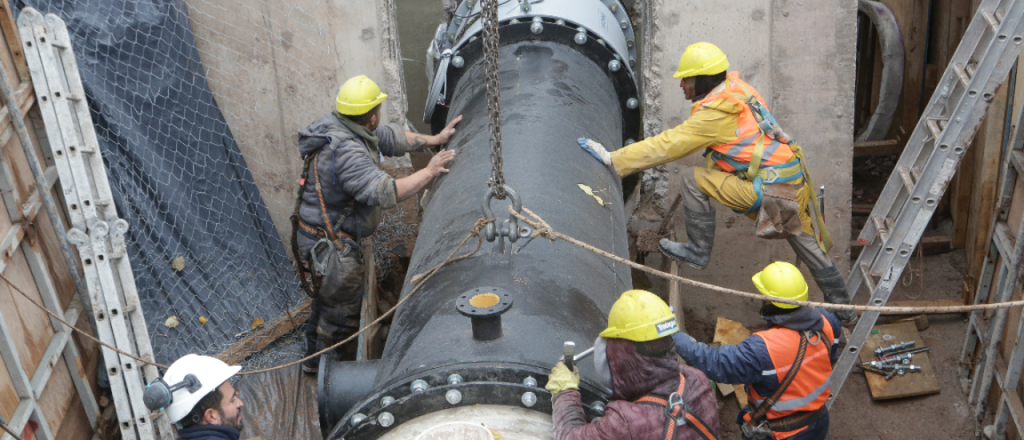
773 175
675 400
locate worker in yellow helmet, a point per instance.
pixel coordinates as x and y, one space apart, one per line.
751 166
653 397
802 342
342 192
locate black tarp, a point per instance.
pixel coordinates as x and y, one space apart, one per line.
177 176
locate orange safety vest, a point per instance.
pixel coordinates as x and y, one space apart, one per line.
749 134
810 388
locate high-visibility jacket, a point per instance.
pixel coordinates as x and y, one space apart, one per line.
748 133
810 388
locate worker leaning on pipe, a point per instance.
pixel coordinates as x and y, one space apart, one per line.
751 166
343 190
764 361
635 358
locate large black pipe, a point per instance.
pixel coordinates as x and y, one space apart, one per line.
551 94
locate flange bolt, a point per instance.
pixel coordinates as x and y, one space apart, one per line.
453 397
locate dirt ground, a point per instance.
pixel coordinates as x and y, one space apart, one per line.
855 416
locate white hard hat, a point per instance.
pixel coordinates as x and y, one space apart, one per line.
211 373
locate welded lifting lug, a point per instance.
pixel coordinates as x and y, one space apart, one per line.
510 227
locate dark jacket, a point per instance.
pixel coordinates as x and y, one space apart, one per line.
350 176
635 376
749 362
209 432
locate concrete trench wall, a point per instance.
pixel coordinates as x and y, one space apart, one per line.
800 55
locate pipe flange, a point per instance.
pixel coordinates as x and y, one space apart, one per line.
484 302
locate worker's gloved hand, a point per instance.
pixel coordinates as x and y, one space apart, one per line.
595 149
562 379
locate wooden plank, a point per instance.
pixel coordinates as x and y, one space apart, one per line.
731 333
876 148
988 149
13 38
912 16
1016 211
911 384
930 245
675 290
369 338
266 334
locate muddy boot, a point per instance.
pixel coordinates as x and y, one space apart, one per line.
831 283
700 229
312 365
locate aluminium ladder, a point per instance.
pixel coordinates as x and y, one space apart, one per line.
989 48
96 230
1004 258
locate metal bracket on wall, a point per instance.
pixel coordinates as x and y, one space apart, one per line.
980 65
89 204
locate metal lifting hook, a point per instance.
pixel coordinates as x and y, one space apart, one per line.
510 227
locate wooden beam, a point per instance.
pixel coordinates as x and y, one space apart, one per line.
26 97
10 30
912 16
675 291
930 245
988 148
876 148
369 338
263 336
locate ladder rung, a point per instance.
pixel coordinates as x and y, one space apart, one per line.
933 126
880 226
993 22
1017 159
958 68
103 202
84 151
864 270
59 45
74 98
908 181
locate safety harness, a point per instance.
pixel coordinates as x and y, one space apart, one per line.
677 413
329 236
781 173
759 427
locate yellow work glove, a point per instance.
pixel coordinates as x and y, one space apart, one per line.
562 379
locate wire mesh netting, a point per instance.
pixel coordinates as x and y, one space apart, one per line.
201 155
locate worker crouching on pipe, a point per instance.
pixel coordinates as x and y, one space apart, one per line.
785 368
653 397
751 166
342 192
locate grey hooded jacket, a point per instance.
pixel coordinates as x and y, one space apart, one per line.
350 176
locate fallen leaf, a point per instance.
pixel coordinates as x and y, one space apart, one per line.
178 264
256 323
202 320
171 321
590 192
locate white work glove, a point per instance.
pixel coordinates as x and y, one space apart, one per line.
595 149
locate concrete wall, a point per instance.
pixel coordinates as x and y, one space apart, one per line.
800 55
275 66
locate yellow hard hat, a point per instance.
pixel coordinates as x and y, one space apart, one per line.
640 316
701 59
782 280
358 96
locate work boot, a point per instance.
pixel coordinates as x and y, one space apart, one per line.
831 283
700 229
312 365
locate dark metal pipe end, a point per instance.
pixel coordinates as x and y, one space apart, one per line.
484 306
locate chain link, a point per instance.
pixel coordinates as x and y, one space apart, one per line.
489 14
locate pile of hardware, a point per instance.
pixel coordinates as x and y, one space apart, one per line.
894 360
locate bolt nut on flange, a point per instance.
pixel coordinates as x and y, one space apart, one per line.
419 386
529 399
632 103
386 401
358 418
458 62
453 397
530 381
536 27
454 379
628 142
580 38
386 419
598 407
614 65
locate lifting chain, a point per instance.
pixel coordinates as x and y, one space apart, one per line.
489 14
